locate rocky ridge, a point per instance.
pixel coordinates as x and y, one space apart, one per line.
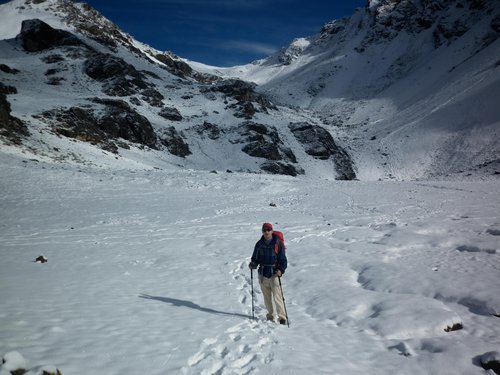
121 95
399 76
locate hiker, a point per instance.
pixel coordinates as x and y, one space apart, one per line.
269 256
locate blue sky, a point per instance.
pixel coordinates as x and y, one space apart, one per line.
222 32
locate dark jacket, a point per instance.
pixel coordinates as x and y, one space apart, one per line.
265 257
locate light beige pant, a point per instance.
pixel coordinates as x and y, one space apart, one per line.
271 291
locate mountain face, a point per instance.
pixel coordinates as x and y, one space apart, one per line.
411 86
73 86
402 89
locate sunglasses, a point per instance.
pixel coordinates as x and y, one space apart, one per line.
267 230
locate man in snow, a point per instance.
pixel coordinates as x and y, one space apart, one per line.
269 256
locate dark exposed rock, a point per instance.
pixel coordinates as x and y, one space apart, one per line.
153 97
334 27
281 168
121 121
495 23
235 88
244 94
119 77
212 131
117 120
7 69
245 110
488 361
103 66
135 101
319 143
92 24
55 81
52 59
262 150
114 103
41 259
174 142
454 327
7 90
37 36
50 72
130 126
264 142
171 113
477 4
80 124
447 33
205 78
12 128
176 66
389 18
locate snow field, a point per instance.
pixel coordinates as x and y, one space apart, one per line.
147 272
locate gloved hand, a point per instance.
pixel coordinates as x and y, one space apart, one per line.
252 265
278 273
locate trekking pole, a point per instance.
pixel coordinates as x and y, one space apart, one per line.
284 304
253 308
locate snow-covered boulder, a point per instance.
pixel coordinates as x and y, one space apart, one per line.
13 362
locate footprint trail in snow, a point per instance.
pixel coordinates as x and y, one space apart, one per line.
241 349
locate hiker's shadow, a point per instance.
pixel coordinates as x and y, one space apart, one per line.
191 305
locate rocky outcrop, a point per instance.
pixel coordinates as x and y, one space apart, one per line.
248 101
119 77
38 36
174 142
208 130
93 25
319 143
448 20
293 51
281 168
116 121
263 141
124 94
153 97
7 69
11 128
171 113
176 66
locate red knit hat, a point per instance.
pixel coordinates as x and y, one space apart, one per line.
267 226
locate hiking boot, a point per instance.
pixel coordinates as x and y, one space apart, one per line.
271 319
282 321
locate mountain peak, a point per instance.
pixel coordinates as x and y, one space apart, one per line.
405 88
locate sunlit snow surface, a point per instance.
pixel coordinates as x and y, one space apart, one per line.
147 272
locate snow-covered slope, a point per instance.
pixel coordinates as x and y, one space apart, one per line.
81 86
105 158
147 273
412 85
407 89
